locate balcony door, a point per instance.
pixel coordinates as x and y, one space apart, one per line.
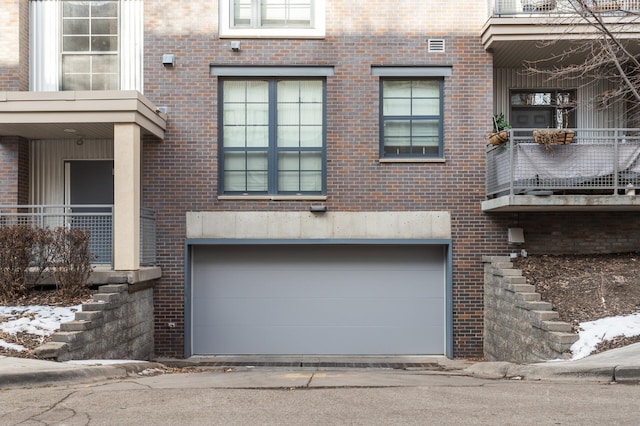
544 109
90 183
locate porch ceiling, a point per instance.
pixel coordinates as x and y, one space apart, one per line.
513 40
561 203
81 114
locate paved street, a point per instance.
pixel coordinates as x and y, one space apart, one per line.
306 397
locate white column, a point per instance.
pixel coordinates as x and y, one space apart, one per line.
126 197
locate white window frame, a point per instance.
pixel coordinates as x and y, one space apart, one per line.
45 34
227 31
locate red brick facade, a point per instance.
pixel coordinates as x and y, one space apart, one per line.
14 170
180 173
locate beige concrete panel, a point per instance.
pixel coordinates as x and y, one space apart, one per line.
317 225
441 223
349 225
219 225
338 225
126 195
381 224
252 225
415 224
194 224
283 224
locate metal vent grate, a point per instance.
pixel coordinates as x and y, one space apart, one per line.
436 45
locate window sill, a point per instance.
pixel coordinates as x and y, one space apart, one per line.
272 197
412 160
258 34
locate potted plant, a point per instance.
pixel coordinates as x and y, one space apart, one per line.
500 126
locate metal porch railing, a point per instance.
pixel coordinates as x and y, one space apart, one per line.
597 161
98 219
553 7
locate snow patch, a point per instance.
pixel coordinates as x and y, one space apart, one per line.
594 332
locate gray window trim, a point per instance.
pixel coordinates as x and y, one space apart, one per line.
382 119
408 71
261 71
272 150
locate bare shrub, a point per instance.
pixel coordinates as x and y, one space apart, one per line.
16 242
72 265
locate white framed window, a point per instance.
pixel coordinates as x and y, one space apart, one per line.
90 53
272 18
86 45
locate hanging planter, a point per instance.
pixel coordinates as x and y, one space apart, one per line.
499 138
548 137
500 127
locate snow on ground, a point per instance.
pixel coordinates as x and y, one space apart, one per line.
45 320
593 332
37 320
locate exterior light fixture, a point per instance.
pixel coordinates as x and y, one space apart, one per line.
318 209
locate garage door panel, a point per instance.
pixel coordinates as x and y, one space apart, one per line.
318 300
313 312
318 340
320 283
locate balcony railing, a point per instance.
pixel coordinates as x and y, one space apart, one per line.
97 219
528 7
597 161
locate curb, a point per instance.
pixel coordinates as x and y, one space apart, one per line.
89 373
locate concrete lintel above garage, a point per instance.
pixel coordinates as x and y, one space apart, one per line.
325 225
561 203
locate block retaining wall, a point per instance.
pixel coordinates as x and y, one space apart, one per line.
117 324
518 326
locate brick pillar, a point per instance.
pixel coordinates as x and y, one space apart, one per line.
14 170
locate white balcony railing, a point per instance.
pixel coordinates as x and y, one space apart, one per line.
597 161
528 7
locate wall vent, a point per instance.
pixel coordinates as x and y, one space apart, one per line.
436 45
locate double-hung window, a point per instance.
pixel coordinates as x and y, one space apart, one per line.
90 59
411 117
272 136
86 45
272 18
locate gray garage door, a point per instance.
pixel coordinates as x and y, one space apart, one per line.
306 299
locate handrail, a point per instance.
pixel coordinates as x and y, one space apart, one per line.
595 161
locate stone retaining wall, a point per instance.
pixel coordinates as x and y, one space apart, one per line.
518 326
116 324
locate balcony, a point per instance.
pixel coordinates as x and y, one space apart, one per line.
533 30
98 220
560 7
598 171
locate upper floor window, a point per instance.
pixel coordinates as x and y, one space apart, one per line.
272 18
272 136
86 45
90 45
411 117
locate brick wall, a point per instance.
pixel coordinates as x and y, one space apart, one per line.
579 233
14 170
180 173
14 45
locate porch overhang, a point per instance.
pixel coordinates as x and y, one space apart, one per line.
516 39
77 114
561 203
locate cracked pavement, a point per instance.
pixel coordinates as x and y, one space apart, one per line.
281 396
